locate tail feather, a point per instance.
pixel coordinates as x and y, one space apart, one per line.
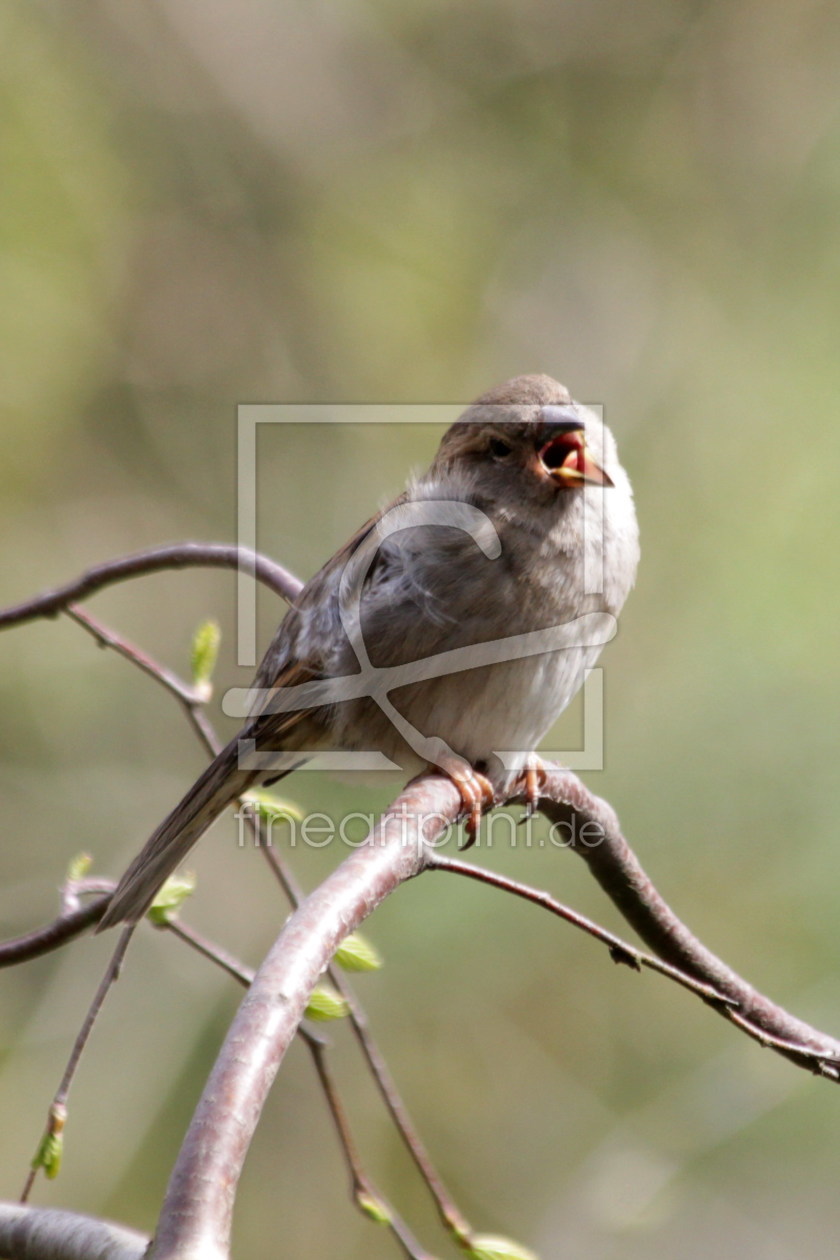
212 792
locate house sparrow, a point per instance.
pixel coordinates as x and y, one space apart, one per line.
451 630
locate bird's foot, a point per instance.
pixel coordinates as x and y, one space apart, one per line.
476 791
533 777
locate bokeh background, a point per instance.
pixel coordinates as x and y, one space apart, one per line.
385 201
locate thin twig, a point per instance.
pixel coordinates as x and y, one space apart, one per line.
176 556
191 700
620 951
365 1194
217 954
59 1103
74 889
111 974
805 1056
450 1214
107 638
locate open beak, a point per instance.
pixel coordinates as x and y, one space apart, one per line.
564 456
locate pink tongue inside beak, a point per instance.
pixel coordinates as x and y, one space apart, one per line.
577 453
568 461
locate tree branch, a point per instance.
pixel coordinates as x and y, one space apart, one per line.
568 803
176 556
43 940
50 1234
619 950
450 1214
365 1194
57 1114
196 1219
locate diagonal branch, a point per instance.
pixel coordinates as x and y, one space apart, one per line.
619 950
568 804
449 1212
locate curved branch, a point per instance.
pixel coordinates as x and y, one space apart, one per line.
176 556
450 1214
195 1223
42 940
28 1233
363 1190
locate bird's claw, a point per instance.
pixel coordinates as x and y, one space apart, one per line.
533 778
477 794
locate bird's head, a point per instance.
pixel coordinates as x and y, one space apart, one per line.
527 436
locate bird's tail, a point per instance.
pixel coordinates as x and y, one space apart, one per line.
217 787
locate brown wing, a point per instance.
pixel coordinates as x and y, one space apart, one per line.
282 666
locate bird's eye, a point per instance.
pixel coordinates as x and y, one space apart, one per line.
500 449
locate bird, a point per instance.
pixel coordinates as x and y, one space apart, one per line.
450 631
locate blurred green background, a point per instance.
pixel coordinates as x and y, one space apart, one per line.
207 204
